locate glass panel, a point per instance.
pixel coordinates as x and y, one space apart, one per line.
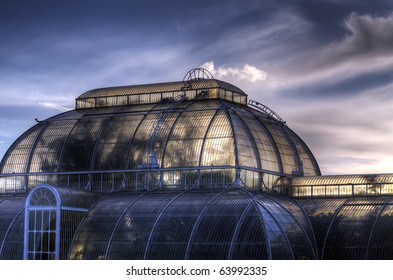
156 97
122 100
185 142
114 142
213 93
246 149
78 151
111 101
91 240
350 232
214 232
310 166
144 98
45 157
81 104
243 100
90 103
284 147
101 102
381 240
132 235
12 227
167 96
219 148
289 231
236 97
190 94
41 239
133 99
171 234
250 242
17 157
229 95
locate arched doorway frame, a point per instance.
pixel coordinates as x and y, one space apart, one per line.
42 224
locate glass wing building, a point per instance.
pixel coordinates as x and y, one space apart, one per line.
182 170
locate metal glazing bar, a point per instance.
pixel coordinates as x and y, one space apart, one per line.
118 223
196 224
156 222
313 246
250 136
236 232
8 230
273 143
374 225
94 153
331 224
171 131
267 240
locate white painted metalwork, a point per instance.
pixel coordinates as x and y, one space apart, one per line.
266 110
42 224
42 234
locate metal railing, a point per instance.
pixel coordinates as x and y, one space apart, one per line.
213 177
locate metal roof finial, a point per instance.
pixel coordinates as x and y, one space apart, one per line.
196 74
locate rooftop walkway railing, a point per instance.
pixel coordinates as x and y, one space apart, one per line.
213 177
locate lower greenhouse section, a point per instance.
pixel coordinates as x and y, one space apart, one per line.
355 228
56 223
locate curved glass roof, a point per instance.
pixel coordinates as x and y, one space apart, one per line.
216 224
195 134
352 228
11 226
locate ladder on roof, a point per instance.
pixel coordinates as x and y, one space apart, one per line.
150 155
266 110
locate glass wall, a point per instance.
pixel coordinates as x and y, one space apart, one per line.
151 97
336 185
352 228
210 224
11 226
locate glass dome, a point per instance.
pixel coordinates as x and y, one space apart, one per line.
209 140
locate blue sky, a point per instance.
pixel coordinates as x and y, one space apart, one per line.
325 66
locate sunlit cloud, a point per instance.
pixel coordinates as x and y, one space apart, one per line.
247 72
55 106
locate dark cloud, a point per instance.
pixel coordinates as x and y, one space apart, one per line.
327 15
52 51
359 61
369 34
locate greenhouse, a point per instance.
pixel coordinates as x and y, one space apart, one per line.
181 170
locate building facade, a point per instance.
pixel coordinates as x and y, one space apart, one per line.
182 170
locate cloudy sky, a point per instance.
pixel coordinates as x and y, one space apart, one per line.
325 66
